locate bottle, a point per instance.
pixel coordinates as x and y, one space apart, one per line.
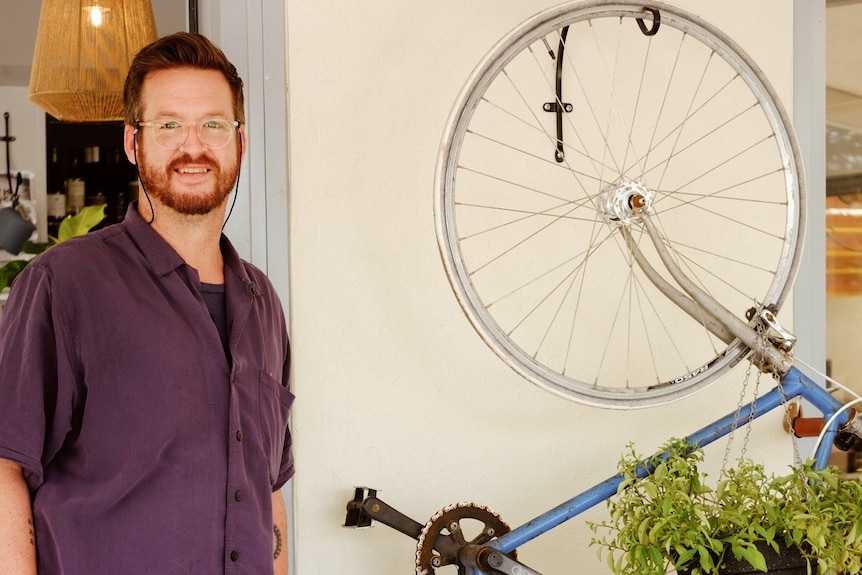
55 206
93 177
25 205
75 187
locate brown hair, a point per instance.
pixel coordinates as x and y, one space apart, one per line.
183 49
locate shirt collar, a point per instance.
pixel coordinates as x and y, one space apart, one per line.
233 264
161 256
164 259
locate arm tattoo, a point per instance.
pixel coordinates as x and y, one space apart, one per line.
32 532
277 545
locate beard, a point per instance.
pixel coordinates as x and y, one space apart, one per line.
155 181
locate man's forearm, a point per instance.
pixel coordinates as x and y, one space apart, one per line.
17 533
279 534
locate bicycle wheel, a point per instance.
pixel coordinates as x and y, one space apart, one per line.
651 99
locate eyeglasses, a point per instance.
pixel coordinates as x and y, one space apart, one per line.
171 134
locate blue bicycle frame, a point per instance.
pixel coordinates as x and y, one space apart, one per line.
794 384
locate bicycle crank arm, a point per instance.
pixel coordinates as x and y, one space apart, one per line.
361 510
497 562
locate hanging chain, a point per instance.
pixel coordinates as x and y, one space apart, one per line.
797 458
758 352
732 435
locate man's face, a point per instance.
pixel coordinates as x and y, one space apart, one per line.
193 178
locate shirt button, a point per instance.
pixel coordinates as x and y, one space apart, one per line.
238 496
239 435
234 555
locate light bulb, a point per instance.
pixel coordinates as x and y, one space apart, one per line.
95 16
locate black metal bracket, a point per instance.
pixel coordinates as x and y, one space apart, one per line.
7 139
356 515
558 107
365 507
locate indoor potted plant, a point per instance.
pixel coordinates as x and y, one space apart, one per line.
672 518
71 226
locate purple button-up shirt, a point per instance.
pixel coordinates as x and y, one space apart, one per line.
146 451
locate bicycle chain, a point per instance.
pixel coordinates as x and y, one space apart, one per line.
494 526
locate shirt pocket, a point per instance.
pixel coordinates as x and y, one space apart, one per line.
275 402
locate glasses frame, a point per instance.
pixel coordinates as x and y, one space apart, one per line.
155 124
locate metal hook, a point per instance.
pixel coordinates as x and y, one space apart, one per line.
6 139
656 22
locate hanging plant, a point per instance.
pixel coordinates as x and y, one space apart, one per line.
673 519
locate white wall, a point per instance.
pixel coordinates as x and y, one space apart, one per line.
27 152
395 390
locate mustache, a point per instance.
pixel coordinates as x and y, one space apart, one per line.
186 159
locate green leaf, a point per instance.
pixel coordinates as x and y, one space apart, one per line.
9 271
660 472
706 560
650 489
643 539
655 557
35 248
685 557
754 557
81 223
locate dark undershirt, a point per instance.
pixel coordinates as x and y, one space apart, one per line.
214 296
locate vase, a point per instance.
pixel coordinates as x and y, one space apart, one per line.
789 561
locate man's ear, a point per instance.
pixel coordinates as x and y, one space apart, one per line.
129 135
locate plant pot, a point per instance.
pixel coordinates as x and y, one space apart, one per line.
14 230
787 562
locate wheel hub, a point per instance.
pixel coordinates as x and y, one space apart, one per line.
623 204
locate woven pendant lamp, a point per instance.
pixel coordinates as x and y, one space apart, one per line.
83 51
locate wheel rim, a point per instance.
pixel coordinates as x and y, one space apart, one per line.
521 235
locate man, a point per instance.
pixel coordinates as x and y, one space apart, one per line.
144 367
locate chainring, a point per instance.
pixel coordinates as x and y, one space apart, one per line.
445 531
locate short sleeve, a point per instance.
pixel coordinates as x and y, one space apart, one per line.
35 410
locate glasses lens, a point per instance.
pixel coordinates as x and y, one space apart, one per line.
212 133
215 133
169 134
